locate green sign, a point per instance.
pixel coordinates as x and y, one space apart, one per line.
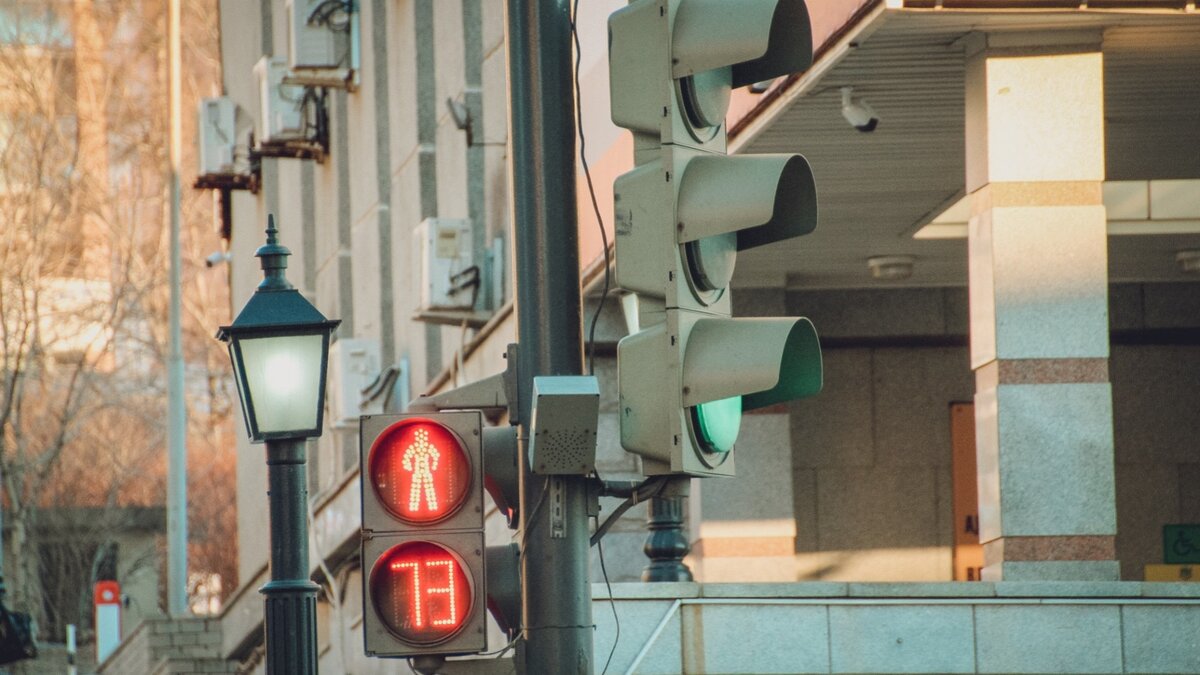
1181 544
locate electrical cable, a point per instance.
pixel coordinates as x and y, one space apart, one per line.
599 535
324 12
523 632
587 173
651 488
499 653
533 514
591 342
612 603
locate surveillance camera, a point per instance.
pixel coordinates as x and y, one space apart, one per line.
859 113
216 258
761 87
460 113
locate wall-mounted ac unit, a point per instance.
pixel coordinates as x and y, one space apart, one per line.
310 45
281 105
218 135
449 278
354 363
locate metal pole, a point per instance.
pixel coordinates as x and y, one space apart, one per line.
72 668
177 530
291 597
556 595
1 534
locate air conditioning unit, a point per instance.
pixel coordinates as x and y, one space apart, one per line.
354 363
281 106
218 135
449 278
311 46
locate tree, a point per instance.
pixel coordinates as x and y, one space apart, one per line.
83 297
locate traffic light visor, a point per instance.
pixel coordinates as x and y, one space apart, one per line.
765 360
800 369
764 198
761 39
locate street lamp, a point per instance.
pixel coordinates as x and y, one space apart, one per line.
279 346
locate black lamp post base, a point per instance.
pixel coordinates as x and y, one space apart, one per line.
291 627
667 544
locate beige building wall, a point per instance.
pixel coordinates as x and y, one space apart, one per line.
861 480
396 157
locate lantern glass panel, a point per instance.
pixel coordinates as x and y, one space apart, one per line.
283 375
241 390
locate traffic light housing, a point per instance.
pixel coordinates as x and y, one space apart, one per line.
688 370
424 575
673 63
682 218
685 382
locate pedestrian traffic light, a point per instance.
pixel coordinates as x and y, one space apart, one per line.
688 370
424 577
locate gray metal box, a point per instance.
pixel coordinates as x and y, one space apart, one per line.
562 437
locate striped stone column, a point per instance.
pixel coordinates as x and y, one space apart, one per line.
1039 307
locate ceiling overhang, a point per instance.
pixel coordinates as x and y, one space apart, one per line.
907 60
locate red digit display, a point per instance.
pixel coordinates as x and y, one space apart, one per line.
421 592
419 471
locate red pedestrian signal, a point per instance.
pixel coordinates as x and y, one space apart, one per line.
424 582
419 471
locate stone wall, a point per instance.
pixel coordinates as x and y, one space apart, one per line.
170 647
823 627
870 456
1156 396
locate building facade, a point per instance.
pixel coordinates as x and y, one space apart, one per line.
1002 277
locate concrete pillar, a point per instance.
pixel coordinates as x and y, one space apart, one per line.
1039 306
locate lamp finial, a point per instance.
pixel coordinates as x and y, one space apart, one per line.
273 257
272 231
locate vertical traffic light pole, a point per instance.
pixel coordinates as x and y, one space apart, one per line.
556 596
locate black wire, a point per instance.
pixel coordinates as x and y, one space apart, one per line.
591 346
499 653
651 488
612 602
600 530
587 173
324 12
522 633
532 515
316 123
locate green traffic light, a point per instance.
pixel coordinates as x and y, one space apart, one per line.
716 423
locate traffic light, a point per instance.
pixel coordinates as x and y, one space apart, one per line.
424 576
688 370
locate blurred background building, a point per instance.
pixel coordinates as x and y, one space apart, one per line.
83 301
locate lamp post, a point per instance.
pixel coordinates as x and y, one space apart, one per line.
279 345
